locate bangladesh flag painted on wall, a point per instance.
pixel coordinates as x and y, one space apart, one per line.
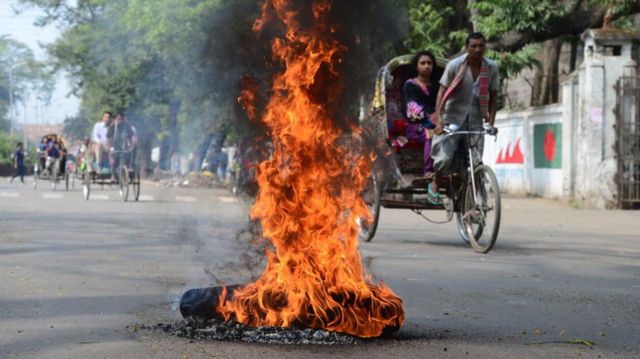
547 145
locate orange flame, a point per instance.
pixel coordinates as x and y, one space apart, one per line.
309 199
248 96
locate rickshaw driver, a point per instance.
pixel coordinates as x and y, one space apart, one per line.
54 154
120 138
467 97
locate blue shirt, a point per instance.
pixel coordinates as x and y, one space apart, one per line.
19 156
54 151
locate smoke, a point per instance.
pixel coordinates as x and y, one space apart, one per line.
370 31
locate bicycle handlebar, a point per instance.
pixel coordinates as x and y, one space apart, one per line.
487 129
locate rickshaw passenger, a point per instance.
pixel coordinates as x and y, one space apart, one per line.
419 100
99 138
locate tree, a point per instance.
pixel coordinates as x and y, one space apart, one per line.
516 29
22 75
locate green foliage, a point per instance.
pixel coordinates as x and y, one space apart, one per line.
7 147
511 64
28 77
495 17
426 24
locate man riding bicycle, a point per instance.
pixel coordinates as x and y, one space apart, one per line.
121 137
54 156
467 99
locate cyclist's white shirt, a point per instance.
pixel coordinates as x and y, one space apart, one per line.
99 134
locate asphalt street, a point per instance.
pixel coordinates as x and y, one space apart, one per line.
78 278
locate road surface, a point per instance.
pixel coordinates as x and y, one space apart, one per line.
77 277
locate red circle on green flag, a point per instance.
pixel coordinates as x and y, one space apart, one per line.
550 146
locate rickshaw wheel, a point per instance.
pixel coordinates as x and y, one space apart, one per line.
136 185
482 217
123 182
35 176
86 185
372 197
66 181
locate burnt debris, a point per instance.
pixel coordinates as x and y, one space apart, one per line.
233 331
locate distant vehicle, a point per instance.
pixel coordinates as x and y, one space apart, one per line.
48 167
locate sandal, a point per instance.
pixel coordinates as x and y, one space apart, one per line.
433 197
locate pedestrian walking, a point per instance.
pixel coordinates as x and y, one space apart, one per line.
18 162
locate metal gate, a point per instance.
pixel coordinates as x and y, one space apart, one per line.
628 142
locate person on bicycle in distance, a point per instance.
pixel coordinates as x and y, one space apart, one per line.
120 138
469 91
83 154
419 105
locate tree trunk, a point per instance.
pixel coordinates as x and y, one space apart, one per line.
144 153
575 40
546 83
474 14
171 142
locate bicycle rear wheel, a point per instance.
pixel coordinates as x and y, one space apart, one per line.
372 196
480 217
135 182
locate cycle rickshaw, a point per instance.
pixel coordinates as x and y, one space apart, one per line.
124 173
48 167
474 200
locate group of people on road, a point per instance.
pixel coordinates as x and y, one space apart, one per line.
113 140
465 96
51 152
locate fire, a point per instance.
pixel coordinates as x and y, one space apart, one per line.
309 199
248 98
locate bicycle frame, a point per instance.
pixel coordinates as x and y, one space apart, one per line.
471 167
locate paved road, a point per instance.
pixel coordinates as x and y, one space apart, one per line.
75 274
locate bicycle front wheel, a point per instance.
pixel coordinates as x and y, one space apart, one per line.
481 213
86 184
54 176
